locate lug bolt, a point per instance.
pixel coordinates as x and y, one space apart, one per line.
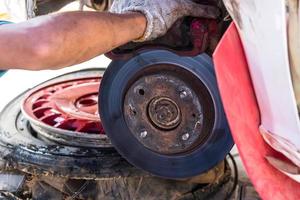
143 134
183 94
185 136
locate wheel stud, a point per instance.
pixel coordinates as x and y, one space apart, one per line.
183 94
143 134
185 136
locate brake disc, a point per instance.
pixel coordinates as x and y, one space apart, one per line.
163 113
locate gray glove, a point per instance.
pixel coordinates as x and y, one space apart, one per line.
161 14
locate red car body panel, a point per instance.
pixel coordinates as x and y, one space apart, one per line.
243 115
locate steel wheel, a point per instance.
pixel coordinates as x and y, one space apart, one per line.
67 112
22 148
163 113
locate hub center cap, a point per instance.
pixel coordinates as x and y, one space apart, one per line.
164 113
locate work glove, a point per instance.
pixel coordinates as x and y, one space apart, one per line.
161 14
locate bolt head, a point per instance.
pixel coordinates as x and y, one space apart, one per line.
183 94
143 134
185 136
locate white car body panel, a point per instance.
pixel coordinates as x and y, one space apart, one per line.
263 29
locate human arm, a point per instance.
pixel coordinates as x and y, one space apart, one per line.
64 39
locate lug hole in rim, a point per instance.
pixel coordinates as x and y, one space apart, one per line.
87 102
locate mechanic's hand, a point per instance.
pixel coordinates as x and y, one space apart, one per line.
161 14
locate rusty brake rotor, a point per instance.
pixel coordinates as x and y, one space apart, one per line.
163 113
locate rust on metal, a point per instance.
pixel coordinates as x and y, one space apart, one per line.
164 113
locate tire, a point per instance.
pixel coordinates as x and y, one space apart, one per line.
21 149
56 171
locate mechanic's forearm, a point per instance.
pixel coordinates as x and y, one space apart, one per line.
64 39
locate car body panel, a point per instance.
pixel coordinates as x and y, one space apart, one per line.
242 111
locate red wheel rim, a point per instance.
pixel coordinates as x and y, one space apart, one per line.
69 105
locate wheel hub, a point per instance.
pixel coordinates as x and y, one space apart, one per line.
164 113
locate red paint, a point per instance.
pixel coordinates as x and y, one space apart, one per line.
70 105
243 115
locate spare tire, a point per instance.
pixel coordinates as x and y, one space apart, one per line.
22 149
